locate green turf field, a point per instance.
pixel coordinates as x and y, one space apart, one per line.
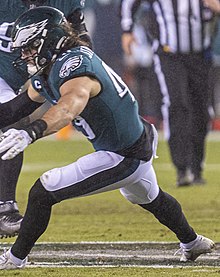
109 217
112 272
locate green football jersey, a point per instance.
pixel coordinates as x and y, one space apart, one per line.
10 10
110 120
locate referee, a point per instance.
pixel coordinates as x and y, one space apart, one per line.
181 32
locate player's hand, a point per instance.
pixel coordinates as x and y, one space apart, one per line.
127 40
14 142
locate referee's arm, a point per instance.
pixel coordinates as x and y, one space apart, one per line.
213 5
128 9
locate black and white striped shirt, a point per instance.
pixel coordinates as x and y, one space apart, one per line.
183 26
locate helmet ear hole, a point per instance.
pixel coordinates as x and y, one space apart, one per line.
36 43
42 61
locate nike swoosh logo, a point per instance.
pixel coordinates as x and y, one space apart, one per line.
60 59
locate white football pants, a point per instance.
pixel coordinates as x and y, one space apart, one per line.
6 92
103 171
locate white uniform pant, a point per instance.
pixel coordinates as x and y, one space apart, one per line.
103 171
6 92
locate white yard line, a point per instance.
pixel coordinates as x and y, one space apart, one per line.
109 254
63 265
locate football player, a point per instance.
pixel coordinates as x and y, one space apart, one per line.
10 83
83 90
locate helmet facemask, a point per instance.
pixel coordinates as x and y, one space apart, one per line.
32 60
39 42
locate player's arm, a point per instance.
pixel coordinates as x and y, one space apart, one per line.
19 107
127 13
75 95
213 5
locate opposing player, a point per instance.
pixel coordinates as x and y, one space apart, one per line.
10 83
86 91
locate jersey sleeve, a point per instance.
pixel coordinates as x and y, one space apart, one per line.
73 66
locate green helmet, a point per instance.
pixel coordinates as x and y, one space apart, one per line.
40 29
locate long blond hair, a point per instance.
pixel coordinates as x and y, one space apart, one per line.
73 37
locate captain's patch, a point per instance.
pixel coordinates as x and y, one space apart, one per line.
70 65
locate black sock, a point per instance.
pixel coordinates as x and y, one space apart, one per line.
35 220
9 174
169 212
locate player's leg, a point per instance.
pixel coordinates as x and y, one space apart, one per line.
164 207
34 223
10 219
94 173
35 220
147 194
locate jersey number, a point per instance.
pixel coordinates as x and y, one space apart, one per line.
87 130
122 90
5 39
118 83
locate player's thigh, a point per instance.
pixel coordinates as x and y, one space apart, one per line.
93 173
145 190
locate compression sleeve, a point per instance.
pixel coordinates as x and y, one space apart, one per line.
16 109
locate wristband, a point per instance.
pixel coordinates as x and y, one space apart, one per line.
35 129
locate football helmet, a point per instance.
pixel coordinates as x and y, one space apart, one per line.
38 29
34 2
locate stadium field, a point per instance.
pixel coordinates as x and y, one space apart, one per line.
105 235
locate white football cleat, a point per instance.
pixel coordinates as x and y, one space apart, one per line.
202 245
7 263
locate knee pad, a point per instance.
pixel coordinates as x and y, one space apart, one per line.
51 179
143 192
85 167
